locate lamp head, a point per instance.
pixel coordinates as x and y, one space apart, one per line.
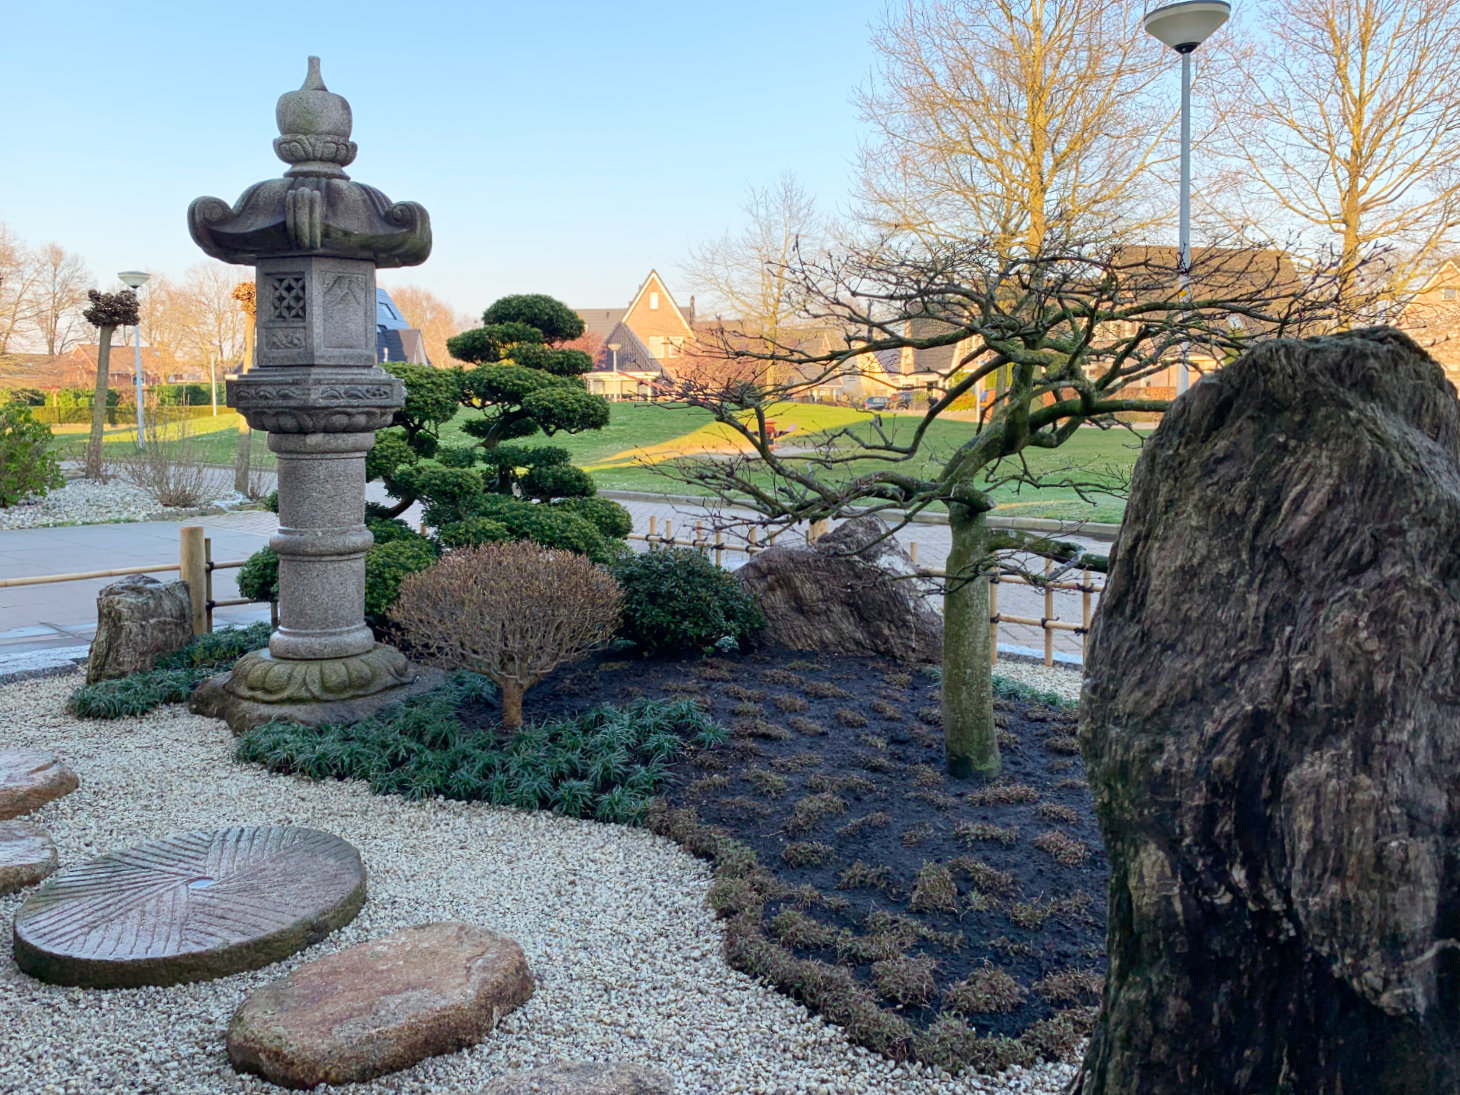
134 279
1184 26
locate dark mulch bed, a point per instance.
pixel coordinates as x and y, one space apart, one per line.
932 918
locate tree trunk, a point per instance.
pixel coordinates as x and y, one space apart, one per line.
244 452
98 404
968 688
511 704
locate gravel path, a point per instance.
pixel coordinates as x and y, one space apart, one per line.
613 921
85 502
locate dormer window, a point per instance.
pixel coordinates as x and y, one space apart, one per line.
653 301
1449 292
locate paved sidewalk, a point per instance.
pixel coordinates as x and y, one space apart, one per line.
63 614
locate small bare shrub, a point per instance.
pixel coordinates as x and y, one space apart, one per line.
1071 986
169 468
971 831
1063 847
806 726
788 702
1003 794
933 890
807 853
1054 811
811 810
513 612
849 717
870 821
821 690
908 981
986 991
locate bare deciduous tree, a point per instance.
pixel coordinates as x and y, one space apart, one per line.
434 318
512 612
743 274
1004 119
18 276
1070 333
61 280
1352 130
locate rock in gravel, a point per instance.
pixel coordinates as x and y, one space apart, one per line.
30 778
189 907
1269 724
27 855
847 593
570 1078
380 1006
138 620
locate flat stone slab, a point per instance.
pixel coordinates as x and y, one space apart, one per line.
30 778
569 1078
380 1006
27 855
189 907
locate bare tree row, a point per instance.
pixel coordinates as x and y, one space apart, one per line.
1330 127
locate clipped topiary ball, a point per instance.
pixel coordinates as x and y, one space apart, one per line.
677 599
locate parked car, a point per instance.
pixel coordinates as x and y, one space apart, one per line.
877 403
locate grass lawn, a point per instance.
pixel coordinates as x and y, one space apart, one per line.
214 440
639 436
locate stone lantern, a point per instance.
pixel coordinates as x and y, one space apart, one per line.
315 239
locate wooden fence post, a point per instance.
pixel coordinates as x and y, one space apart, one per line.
653 537
193 569
719 547
1048 616
817 530
994 617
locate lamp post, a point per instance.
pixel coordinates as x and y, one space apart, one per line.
1185 26
134 280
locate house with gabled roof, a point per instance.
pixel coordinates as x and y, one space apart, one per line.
642 342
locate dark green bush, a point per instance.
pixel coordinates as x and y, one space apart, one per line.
173 678
28 464
606 763
475 531
607 516
388 564
677 599
258 578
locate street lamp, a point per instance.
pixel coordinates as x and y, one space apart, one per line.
1184 26
134 280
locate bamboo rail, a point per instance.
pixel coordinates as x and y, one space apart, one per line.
195 566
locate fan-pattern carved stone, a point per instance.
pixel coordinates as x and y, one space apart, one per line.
189 907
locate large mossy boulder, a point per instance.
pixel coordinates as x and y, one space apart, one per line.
138 620
1271 720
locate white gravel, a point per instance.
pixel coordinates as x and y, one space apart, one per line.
86 502
626 955
1061 680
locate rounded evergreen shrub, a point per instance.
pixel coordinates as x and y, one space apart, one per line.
28 465
677 599
607 516
388 565
258 578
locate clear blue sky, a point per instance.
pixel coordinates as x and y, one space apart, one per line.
560 147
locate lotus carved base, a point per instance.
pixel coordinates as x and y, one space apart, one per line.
261 688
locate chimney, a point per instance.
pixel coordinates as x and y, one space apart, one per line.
691 308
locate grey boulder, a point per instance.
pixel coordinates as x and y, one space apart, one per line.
138 620
853 591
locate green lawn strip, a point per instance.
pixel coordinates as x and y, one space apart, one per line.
213 440
172 679
606 763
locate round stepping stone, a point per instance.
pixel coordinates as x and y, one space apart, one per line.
189 907
569 1078
380 1006
30 778
27 855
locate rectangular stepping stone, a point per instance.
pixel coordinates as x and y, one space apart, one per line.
27 855
30 778
380 1006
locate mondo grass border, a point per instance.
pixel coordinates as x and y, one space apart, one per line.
738 894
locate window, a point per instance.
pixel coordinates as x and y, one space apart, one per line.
653 301
1450 293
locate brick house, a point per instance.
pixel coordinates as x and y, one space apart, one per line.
641 343
1432 317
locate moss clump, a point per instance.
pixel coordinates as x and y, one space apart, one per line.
933 890
807 853
988 991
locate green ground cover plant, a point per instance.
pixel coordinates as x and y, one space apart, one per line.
606 763
172 679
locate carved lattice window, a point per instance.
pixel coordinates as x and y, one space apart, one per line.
288 296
